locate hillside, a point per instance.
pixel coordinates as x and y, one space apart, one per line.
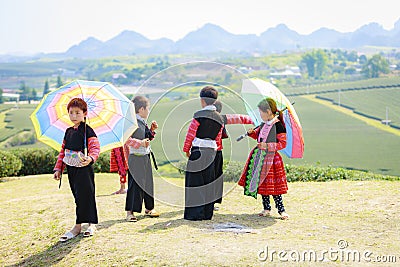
211 39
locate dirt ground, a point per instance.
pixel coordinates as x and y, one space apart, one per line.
333 223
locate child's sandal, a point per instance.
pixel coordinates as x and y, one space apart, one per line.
89 232
264 213
131 218
152 213
284 216
67 236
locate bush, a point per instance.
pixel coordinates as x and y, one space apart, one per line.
9 164
233 171
42 161
103 163
321 174
18 162
35 160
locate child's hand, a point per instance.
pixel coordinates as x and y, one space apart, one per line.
153 126
188 154
57 175
262 145
145 142
86 160
250 131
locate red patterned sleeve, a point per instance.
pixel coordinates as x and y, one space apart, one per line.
60 164
255 134
281 137
238 119
126 153
133 142
218 140
113 160
93 148
191 134
118 162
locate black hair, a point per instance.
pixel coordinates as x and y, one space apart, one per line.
209 94
218 105
270 104
140 102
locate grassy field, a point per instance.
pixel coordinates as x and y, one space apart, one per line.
364 215
334 86
331 137
374 102
14 120
334 138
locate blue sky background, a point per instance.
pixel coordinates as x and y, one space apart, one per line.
29 26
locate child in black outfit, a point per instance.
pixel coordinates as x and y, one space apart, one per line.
79 167
200 147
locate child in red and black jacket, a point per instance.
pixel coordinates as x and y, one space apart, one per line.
200 147
79 167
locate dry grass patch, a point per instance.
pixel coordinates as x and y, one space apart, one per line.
34 213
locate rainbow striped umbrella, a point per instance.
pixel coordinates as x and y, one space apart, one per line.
110 113
253 91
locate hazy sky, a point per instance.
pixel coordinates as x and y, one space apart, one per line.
55 25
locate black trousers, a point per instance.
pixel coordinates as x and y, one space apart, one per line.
219 179
199 186
81 182
140 184
278 203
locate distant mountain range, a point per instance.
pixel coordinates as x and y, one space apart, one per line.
213 39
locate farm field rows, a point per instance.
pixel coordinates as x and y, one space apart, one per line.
374 102
331 137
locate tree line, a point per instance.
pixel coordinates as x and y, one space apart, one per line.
316 61
316 64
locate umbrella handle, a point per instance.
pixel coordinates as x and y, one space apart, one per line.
244 135
241 137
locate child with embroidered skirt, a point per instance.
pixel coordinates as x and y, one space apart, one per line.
79 167
264 172
200 147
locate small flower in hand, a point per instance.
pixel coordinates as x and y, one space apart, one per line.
153 126
250 131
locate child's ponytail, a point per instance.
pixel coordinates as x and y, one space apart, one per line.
280 117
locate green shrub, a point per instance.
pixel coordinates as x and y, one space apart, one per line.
42 161
321 174
233 171
171 169
10 164
35 160
103 163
